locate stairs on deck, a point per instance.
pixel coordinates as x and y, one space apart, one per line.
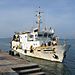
30 69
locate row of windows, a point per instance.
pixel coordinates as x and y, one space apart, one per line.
45 35
41 35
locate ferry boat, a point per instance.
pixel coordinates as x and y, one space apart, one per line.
39 43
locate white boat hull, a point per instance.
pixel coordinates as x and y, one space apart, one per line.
47 55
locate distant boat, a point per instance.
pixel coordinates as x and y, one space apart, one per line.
40 44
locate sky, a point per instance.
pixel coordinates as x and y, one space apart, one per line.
20 15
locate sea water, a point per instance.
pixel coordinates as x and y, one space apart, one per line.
51 68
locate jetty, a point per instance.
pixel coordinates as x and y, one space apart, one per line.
10 65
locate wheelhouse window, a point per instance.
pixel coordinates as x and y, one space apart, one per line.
40 34
45 34
49 35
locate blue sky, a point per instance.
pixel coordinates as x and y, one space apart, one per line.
19 15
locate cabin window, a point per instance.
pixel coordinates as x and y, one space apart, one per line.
49 43
40 35
49 35
45 34
39 50
31 51
25 51
36 30
31 36
36 36
16 38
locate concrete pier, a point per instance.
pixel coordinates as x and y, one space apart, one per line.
10 65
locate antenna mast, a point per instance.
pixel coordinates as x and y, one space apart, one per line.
38 18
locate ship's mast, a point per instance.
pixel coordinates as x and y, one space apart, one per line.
38 19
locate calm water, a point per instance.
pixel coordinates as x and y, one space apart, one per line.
51 68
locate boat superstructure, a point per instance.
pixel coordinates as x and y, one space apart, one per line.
39 43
